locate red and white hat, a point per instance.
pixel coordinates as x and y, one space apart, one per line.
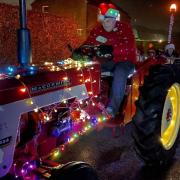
108 10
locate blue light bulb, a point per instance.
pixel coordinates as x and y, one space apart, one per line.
10 69
31 68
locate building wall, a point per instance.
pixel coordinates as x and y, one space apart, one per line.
49 39
16 3
84 13
91 17
76 9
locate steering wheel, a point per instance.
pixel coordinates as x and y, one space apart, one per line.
99 51
88 50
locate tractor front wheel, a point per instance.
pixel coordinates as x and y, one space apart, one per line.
157 119
75 171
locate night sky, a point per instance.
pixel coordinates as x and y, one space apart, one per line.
153 14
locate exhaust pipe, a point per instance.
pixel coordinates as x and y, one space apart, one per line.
23 37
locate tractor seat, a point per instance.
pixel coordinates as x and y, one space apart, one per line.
106 74
109 74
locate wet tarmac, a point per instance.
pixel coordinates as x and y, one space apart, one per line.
114 157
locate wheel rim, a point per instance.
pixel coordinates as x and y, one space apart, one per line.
171 117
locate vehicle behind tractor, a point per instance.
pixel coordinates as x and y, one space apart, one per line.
44 108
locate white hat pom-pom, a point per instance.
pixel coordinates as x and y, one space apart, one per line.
100 17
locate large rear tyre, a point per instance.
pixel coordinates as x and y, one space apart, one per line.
157 119
75 171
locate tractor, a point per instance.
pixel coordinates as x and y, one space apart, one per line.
44 108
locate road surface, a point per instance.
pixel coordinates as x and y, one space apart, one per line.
114 157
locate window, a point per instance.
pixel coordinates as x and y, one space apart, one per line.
45 9
80 32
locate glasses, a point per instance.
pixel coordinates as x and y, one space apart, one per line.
109 17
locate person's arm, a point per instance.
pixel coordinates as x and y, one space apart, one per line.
90 41
124 48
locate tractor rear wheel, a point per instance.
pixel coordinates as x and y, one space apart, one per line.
157 119
75 171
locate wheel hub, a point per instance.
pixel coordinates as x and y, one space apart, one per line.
171 117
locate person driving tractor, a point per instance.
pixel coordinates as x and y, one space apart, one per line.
119 36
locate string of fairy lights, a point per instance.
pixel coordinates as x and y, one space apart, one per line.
77 106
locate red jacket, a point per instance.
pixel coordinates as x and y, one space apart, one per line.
121 38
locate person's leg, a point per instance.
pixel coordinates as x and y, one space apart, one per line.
107 66
121 72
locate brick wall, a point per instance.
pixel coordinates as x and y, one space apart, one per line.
84 12
50 35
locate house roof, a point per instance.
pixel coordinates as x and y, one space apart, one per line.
145 33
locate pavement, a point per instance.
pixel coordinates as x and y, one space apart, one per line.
113 157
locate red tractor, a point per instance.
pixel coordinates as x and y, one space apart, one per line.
44 108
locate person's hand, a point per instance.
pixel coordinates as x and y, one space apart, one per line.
77 55
104 52
83 53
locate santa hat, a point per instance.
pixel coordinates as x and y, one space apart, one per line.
108 10
168 46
